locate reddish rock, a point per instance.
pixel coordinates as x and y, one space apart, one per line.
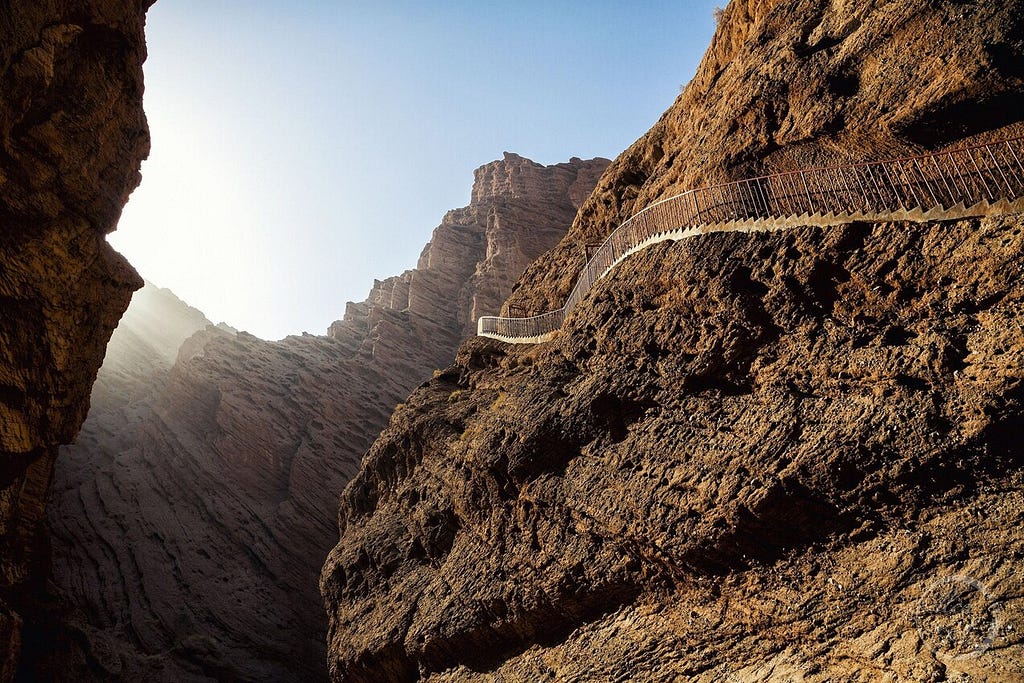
791 84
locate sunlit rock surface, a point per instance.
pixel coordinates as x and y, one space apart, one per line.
191 520
765 457
72 136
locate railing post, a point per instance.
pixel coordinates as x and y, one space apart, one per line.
738 200
1010 167
988 190
729 201
920 172
742 193
795 196
895 192
834 180
760 206
758 200
963 182
778 200
869 169
755 193
909 184
769 191
828 190
942 176
714 204
749 207
810 203
1013 152
998 167
866 200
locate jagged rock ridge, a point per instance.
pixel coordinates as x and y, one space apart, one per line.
72 137
775 456
190 523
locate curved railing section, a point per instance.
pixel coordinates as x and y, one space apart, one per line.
966 182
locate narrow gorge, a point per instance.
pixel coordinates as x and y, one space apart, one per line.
190 521
787 455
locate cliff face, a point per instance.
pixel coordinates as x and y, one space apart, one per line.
72 136
775 456
190 533
518 211
793 84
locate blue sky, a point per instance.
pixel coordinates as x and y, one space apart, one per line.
302 149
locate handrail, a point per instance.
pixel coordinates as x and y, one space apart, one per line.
959 183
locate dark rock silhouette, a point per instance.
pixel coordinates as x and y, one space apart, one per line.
72 135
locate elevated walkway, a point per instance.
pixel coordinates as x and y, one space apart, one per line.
974 181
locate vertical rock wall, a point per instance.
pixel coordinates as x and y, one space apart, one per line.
791 455
72 136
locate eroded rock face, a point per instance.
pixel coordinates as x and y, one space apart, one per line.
732 424
190 538
518 210
755 457
72 136
797 83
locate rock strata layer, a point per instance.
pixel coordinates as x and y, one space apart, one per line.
191 521
72 137
745 457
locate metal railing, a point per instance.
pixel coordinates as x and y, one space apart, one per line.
941 185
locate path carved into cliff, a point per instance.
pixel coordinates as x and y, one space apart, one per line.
947 185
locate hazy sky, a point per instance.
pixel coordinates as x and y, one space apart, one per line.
301 149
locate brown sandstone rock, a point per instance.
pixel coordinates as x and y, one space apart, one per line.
191 521
72 136
725 413
760 457
797 83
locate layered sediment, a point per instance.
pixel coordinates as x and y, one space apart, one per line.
192 519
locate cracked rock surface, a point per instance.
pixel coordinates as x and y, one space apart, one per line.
774 456
72 137
192 518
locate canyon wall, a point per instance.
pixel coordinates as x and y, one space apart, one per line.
72 137
788 85
192 518
745 457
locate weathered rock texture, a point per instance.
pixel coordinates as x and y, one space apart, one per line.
791 84
192 519
761 457
518 211
72 136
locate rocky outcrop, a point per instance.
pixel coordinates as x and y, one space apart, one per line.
518 210
797 83
745 457
72 136
189 538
